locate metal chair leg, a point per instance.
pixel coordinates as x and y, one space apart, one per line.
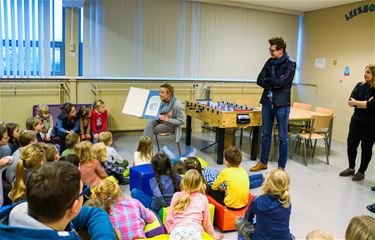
179 149
326 147
157 142
304 148
313 151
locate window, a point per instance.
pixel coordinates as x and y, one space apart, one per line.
32 34
80 44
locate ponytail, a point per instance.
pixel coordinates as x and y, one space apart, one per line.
192 182
19 187
277 183
181 203
285 199
31 157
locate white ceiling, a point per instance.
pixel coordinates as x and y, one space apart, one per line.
298 5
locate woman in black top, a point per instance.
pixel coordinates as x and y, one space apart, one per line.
362 124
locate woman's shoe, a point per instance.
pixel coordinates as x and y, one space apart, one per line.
347 172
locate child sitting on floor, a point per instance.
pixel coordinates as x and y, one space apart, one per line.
112 154
13 134
91 171
84 115
165 183
272 209
127 215
189 214
236 195
100 153
70 141
36 125
210 174
45 116
144 152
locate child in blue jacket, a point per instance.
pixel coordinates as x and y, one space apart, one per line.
54 208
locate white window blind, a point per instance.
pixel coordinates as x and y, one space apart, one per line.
32 41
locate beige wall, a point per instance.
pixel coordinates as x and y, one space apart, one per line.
171 38
328 35
17 99
71 57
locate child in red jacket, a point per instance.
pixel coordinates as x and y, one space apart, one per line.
99 119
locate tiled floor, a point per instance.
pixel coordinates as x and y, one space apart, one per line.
320 198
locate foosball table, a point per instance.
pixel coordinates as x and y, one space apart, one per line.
226 118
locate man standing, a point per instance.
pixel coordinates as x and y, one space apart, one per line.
276 79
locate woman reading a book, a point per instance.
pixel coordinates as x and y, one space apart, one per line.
172 115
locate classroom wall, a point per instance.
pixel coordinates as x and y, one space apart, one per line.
328 35
172 38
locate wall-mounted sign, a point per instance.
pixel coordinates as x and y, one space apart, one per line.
368 8
347 71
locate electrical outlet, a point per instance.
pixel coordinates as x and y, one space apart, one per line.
72 47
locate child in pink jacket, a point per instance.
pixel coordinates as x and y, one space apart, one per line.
189 214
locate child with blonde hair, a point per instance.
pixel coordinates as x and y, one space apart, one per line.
318 234
100 153
91 171
112 154
189 214
99 119
84 115
144 152
123 211
272 209
45 116
32 157
361 227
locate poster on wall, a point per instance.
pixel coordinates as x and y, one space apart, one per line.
320 62
346 71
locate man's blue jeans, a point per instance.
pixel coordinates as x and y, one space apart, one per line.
268 115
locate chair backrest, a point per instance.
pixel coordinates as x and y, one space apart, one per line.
327 111
321 122
303 106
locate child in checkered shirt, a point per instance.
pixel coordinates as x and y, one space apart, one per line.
127 215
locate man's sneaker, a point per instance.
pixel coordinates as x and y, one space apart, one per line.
373 188
347 172
358 176
258 167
